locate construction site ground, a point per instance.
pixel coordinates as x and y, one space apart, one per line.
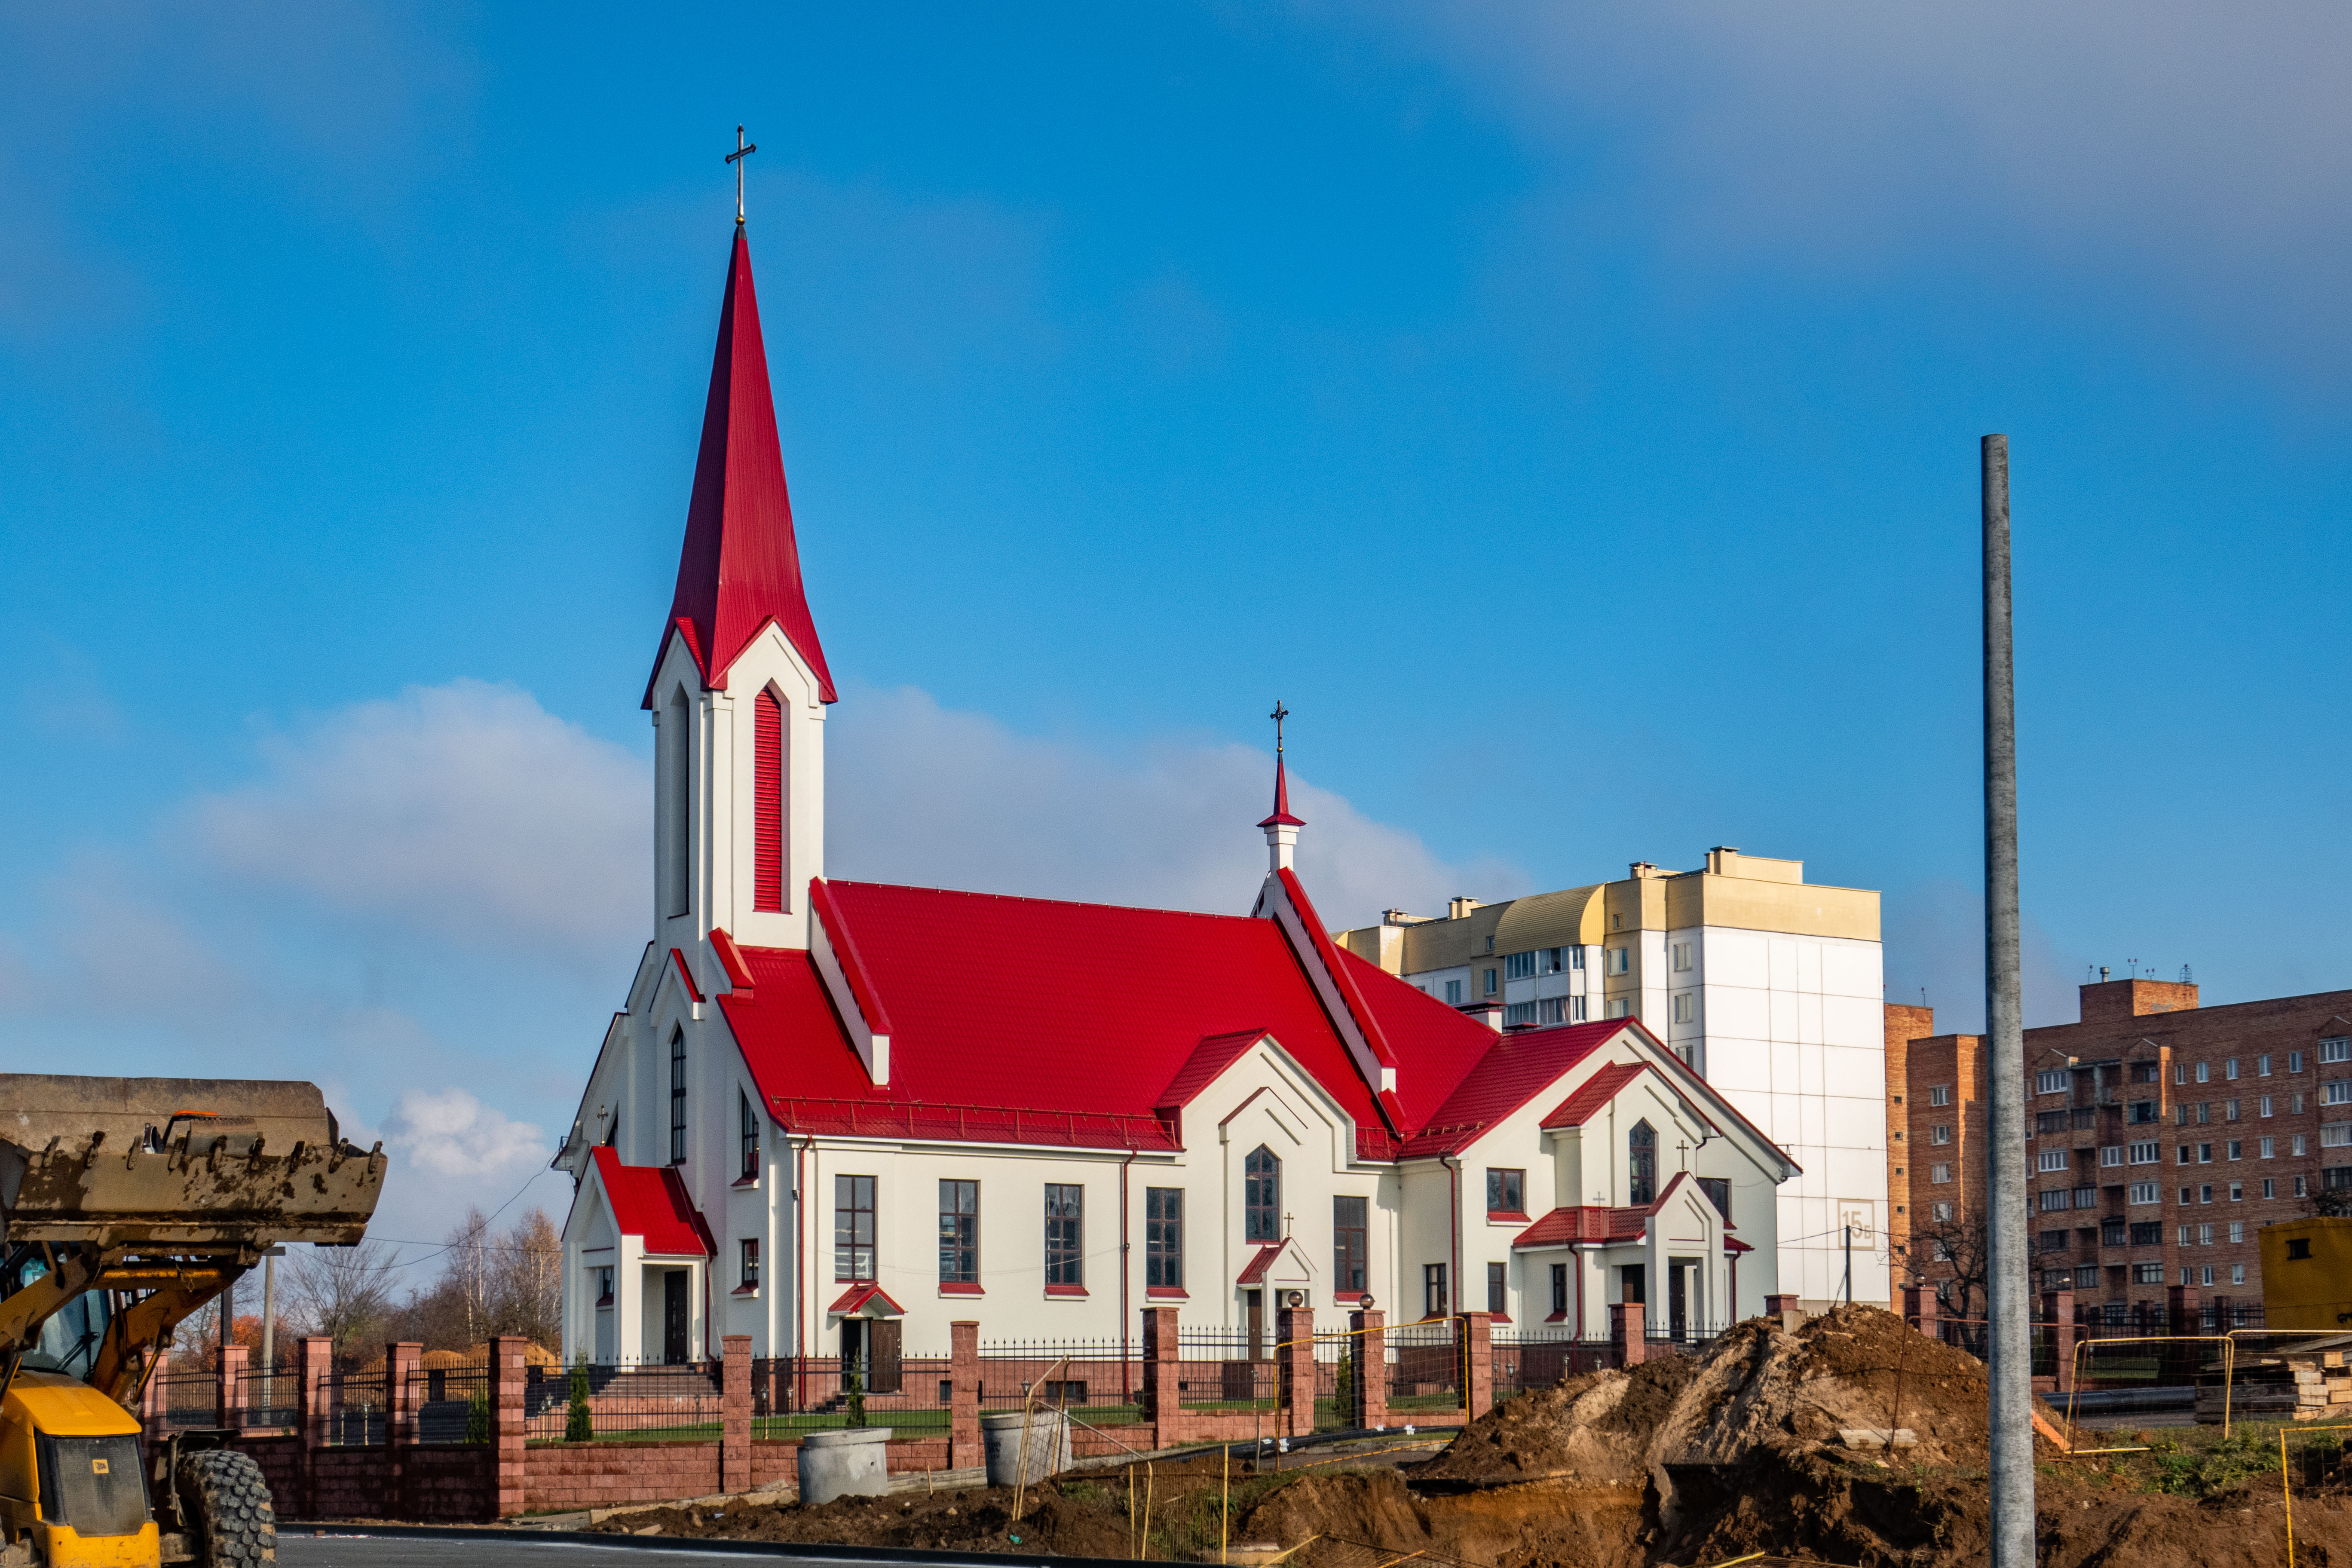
1748 1448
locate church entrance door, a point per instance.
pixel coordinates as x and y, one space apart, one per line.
674 1317
1254 1303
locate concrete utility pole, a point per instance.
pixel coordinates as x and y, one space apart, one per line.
2011 1417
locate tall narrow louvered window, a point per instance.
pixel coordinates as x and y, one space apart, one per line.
768 805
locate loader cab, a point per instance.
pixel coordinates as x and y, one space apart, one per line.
71 1481
70 1338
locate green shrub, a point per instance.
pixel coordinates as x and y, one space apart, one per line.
477 1416
579 1426
856 1412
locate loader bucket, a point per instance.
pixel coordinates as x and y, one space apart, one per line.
160 1165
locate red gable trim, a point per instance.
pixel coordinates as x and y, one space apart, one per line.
651 1202
844 949
685 975
730 958
1327 955
1596 1093
1212 1056
1253 1271
857 1296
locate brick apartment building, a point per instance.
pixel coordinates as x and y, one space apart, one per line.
2161 1136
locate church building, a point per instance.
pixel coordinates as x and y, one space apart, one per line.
837 1116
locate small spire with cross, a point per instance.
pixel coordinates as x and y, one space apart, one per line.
1281 828
743 150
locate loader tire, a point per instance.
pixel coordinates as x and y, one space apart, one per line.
228 1506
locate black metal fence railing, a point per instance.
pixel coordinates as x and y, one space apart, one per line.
356 1410
1100 1378
642 1404
271 1397
188 1399
1535 1358
1425 1366
453 1404
794 1395
1224 1369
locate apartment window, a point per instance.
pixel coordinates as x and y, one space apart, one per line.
2144 1153
1491 986
2294 1062
2187 1232
1519 1013
2336 1091
2144 1072
2237 1274
2055 1240
2204 1072
1575 957
1618 960
2111 1233
852 1227
2204 1112
2144 1193
2237 1230
2147 1273
2338 1050
2261 1067
1941 1211
2206 1275
1940 1133
1498 1288
1939 1094
2205 1193
1939 1174
749 1134
1433 1291
1620 1007
2270 1148
2296 1147
2187 1154
2204 1153
2204 1236
1065 1233
1454 992
2181 1072
2294 1104
2054 1200
1350 1233
1554 1010
2230 1069
1519 966
2050 1082
2237 1148
2148 1233
1686 1007
677 1097
2237 1191
2265 1108
1560 1290
2140 1112
2188 1196
1507 1193
2302 1184
747 1265
1576 1009
1163 1238
2050 1160
2270 1188
2228 1111
959 1233
1682 957
2336 1135
2112 1154
1640 1164
1261 1195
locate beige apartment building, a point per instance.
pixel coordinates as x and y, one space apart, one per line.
1770 986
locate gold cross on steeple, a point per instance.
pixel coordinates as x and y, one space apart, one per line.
1278 715
743 150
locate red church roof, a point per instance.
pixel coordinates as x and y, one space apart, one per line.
651 1201
740 565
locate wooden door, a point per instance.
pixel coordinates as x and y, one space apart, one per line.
882 1341
1253 1301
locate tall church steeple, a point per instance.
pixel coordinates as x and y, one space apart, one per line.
740 565
740 683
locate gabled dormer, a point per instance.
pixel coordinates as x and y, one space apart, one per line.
739 684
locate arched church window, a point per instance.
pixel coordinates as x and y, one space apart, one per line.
675 809
768 803
1642 1164
677 1097
1262 1196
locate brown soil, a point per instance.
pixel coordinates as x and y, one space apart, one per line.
1687 1460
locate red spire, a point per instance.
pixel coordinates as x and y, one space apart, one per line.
1281 817
740 568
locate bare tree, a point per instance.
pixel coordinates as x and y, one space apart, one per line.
529 1294
1962 1245
343 1292
468 1272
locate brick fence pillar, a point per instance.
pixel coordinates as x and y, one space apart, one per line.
2181 1303
1367 1372
1294 1327
1160 1403
1920 1310
401 1362
964 1451
152 1396
1474 1350
735 1413
1625 1332
509 1432
2058 1306
318 1364
231 1398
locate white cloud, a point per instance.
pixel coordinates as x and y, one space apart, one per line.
448 1151
465 810
2202 148
925 794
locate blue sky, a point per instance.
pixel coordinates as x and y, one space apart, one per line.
1571 414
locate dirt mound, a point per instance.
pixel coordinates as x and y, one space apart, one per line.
975 1519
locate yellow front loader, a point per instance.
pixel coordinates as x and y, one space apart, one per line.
126 1205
